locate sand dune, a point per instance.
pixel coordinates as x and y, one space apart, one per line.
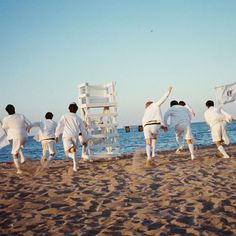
176 196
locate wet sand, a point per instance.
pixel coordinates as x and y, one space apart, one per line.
177 196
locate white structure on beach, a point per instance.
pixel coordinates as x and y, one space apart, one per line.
98 109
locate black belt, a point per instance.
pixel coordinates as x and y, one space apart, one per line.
48 139
152 122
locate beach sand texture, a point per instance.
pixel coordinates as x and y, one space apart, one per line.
176 196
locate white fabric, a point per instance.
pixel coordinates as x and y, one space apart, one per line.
222 151
214 115
15 126
3 138
153 111
48 145
148 151
177 115
190 110
183 130
47 129
68 143
226 93
17 145
149 130
154 141
216 118
71 126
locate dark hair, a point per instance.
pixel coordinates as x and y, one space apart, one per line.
173 103
49 115
73 107
147 104
182 103
10 109
210 103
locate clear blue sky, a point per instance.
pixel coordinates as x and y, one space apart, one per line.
48 47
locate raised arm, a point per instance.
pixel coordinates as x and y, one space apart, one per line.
228 117
164 97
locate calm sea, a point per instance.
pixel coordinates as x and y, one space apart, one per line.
129 142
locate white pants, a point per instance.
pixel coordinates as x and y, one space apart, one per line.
218 132
48 145
149 130
183 130
17 145
68 143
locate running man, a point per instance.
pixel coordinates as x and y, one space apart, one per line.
217 118
71 127
180 120
17 127
152 122
46 136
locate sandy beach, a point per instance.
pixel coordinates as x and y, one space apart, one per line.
176 196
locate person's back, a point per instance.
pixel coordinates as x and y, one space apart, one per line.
48 128
16 126
213 115
71 123
178 115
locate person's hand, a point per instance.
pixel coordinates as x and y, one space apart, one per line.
56 139
165 129
170 88
231 119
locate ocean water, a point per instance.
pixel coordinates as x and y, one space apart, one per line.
129 142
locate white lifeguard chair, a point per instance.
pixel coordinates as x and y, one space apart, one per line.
98 109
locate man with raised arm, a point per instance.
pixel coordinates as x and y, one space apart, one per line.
152 122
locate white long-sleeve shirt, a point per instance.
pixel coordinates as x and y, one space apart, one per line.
153 111
70 125
214 115
177 115
15 126
47 129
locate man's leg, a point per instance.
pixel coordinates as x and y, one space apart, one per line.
72 154
191 148
221 149
154 141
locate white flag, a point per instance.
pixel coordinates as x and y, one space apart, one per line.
226 93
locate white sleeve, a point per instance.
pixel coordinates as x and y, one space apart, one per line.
227 116
59 127
166 116
191 110
163 98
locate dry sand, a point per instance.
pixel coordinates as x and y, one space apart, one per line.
176 196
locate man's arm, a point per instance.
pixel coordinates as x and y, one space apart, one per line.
164 97
228 117
59 127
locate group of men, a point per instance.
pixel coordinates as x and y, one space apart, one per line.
179 116
73 130
70 125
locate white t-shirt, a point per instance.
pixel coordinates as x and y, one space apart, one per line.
15 126
178 115
70 125
214 115
153 111
47 129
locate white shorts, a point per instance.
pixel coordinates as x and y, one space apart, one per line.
17 145
183 130
218 132
68 143
149 130
49 145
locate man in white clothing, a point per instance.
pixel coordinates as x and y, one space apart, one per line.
180 120
152 122
16 126
217 118
71 127
46 136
